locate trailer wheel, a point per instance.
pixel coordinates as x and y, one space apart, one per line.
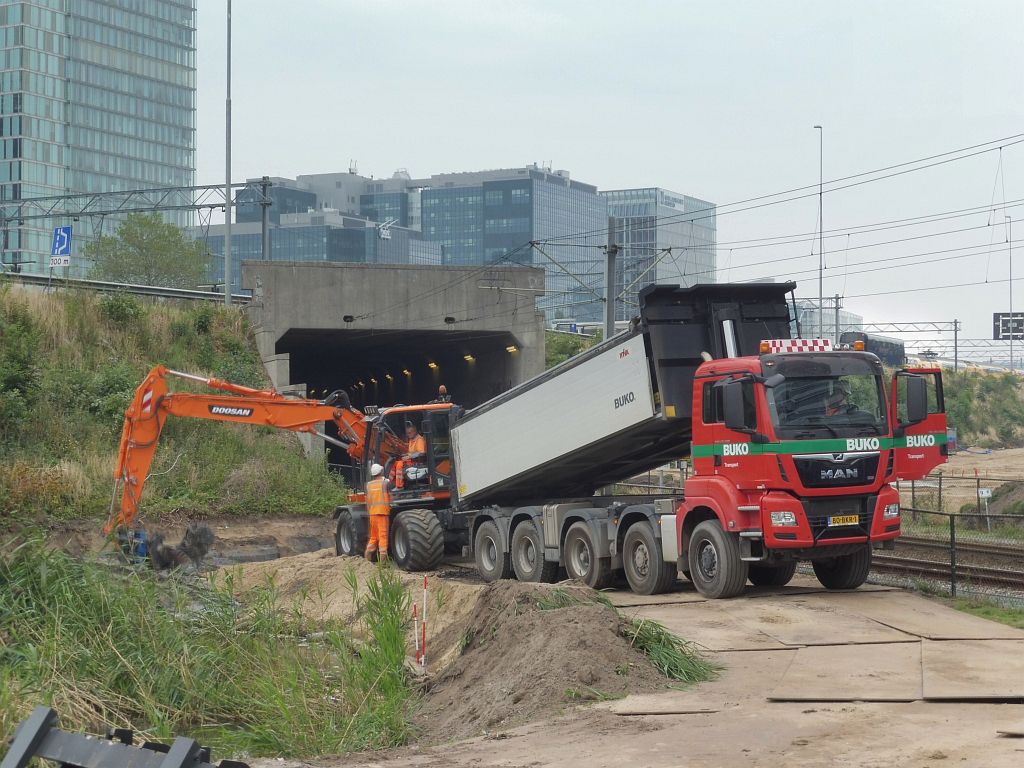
528 555
417 541
845 571
646 572
581 559
715 565
772 575
347 541
492 562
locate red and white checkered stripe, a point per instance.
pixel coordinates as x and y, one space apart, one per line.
798 345
147 401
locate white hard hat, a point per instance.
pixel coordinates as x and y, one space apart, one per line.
375 469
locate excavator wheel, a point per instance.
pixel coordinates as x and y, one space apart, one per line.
417 541
349 541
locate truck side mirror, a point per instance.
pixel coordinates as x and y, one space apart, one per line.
774 380
917 399
732 404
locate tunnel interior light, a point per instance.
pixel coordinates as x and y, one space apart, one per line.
389 377
373 381
469 358
432 365
407 372
361 384
511 348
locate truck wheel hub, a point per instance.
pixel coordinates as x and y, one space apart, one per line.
641 559
707 560
581 558
527 554
489 554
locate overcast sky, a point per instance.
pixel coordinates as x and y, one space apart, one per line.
712 99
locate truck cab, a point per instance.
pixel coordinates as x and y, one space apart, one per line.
794 452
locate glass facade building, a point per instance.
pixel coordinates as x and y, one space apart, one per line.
665 237
97 96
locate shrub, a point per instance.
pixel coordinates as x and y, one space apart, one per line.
121 309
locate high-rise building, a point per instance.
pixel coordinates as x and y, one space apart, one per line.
97 96
664 237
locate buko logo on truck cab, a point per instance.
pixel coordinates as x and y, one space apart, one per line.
863 444
625 399
920 441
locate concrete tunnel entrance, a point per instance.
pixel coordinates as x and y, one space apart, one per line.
400 367
389 334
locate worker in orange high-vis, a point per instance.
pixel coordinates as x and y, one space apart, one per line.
378 505
415 452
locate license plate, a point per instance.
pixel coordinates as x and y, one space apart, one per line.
844 520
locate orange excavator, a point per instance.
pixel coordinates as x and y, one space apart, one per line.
368 437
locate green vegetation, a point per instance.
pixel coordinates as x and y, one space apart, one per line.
673 657
69 364
146 250
988 610
987 409
119 648
559 347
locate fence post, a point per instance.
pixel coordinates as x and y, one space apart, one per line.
941 508
977 495
913 494
952 555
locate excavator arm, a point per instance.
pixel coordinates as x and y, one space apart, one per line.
153 403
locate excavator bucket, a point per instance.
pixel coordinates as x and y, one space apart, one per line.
39 737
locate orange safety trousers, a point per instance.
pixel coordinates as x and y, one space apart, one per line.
378 503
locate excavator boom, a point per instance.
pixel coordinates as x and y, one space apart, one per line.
153 403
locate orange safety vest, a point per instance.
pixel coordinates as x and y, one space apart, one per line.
418 444
378 500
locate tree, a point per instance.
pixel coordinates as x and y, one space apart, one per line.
146 250
559 347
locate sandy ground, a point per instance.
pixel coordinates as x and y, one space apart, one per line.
732 721
1003 464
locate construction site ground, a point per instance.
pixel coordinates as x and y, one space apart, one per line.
872 677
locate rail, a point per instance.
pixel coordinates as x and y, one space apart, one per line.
43 281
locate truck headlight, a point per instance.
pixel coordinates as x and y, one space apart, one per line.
891 511
784 519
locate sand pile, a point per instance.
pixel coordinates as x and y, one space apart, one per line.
514 662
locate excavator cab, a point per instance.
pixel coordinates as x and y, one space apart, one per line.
412 443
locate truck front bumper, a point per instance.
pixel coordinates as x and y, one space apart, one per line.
790 522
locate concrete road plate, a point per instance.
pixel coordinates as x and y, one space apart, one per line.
880 672
810 620
973 669
926 618
709 626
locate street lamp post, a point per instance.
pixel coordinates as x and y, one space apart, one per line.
821 232
1009 238
227 182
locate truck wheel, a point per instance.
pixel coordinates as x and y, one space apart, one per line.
417 541
715 565
845 571
528 555
772 575
347 541
581 560
646 572
492 562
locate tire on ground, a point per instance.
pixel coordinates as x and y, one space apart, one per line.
579 553
528 555
492 562
772 575
845 571
646 571
347 539
416 539
715 565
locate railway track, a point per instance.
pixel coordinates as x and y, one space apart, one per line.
939 570
962 547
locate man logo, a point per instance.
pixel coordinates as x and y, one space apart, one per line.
840 474
229 410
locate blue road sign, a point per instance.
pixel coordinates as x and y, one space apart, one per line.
61 241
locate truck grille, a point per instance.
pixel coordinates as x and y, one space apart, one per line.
819 511
837 470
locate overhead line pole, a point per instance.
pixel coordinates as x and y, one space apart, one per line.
227 182
821 230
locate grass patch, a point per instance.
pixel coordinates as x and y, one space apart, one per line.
69 364
675 658
1013 617
119 648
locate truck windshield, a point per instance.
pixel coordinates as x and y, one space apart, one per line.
834 405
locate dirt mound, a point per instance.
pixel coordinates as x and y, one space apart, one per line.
514 662
326 586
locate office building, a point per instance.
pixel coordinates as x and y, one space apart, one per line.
97 96
664 237
808 317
